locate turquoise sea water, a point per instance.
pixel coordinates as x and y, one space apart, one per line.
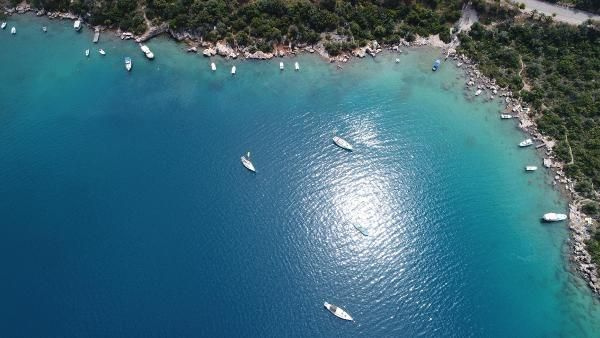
125 210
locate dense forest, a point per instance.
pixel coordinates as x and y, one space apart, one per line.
262 23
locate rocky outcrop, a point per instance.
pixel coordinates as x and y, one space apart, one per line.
258 55
209 52
152 32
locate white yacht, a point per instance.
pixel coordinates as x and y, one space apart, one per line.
101 51
340 142
3 25
77 25
247 163
233 70
397 60
128 64
478 92
44 29
337 311
87 53
281 65
506 116
13 31
296 66
530 168
362 229
554 217
213 66
147 51
526 143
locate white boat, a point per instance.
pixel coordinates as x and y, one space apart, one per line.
101 51
459 64
3 25
44 29
77 25
296 66
233 70
554 217
213 66
506 116
128 64
362 229
247 163
13 30
530 168
147 51
281 65
478 92
526 143
397 60
87 53
337 311
340 142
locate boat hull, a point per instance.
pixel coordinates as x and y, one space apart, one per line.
340 142
247 164
338 312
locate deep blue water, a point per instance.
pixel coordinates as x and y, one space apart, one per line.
125 210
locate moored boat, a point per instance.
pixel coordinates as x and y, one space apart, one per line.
13 30
296 66
337 311
77 25
128 64
87 53
506 116
233 69
526 143
397 60
213 66
3 26
531 168
340 142
44 29
147 51
101 51
436 65
281 65
554 217
247 163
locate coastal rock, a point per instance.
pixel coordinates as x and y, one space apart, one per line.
209 52
224 50
41 12
192 50
152 32
258 55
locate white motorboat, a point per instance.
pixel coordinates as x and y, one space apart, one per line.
530 168
554 217
87 53
101 51
128 64
13 31
44 29
478 92
337 311
506 116
213 66
233 70
147 51
3 25
296 66
77 25
281 66
247 163
340 142
526 143
362 229
397 60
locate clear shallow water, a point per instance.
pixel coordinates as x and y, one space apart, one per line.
126 212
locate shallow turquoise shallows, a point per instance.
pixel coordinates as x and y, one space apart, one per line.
125 210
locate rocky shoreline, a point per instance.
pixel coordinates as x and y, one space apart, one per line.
580 225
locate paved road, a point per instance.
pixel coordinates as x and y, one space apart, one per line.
563 14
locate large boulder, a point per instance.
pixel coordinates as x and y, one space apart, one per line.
209 52
223 49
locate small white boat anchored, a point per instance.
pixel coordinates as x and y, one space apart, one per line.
397 60
296 66
233 69
3 25
101 51
478 92
87 53
281 66
340 142
337 311
247 163
530 168
506 116
213 66
554 217
44 29
147 51
13 31
77 25
526 143
128 64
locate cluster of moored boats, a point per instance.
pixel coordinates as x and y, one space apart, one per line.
13 29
